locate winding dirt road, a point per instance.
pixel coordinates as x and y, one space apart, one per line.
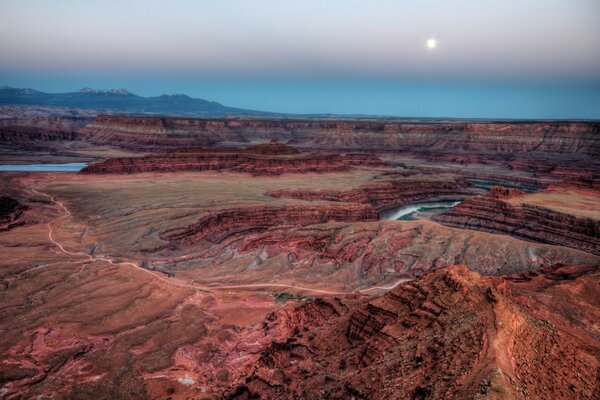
173 282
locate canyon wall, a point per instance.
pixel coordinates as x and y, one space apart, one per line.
492 213
382 195
11 212
238 161
510 137
217 226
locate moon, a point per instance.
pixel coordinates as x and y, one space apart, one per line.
431 43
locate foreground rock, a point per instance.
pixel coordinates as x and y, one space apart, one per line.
451 335
11 212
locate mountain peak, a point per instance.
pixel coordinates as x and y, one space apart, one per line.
25 92
120 100
176 96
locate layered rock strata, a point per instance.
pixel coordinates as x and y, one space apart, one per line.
262 163
218 225
40 132
493 213
385 194
542 137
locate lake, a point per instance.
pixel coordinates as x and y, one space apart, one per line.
71 167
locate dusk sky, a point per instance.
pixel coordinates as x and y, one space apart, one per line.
494 58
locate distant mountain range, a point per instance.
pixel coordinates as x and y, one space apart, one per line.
122 101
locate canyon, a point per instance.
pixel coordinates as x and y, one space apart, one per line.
251 257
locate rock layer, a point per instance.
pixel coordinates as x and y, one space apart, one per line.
384 194
542 137
264 162
493 213
219 225
40 132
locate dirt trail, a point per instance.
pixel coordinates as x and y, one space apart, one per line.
172 282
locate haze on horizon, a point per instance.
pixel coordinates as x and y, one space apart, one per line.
498 58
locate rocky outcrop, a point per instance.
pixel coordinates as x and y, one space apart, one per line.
385 194
501 192
11 212
451 334
271 148
491 213
218 225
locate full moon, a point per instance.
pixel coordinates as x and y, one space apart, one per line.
431 43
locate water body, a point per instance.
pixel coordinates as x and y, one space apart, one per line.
409 212
71 167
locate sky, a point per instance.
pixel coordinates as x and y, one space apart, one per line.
492 59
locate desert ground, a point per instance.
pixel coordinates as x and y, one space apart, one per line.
243 262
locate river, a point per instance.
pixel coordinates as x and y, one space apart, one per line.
417 210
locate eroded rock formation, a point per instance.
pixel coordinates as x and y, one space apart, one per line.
40 132
500 192
451 334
